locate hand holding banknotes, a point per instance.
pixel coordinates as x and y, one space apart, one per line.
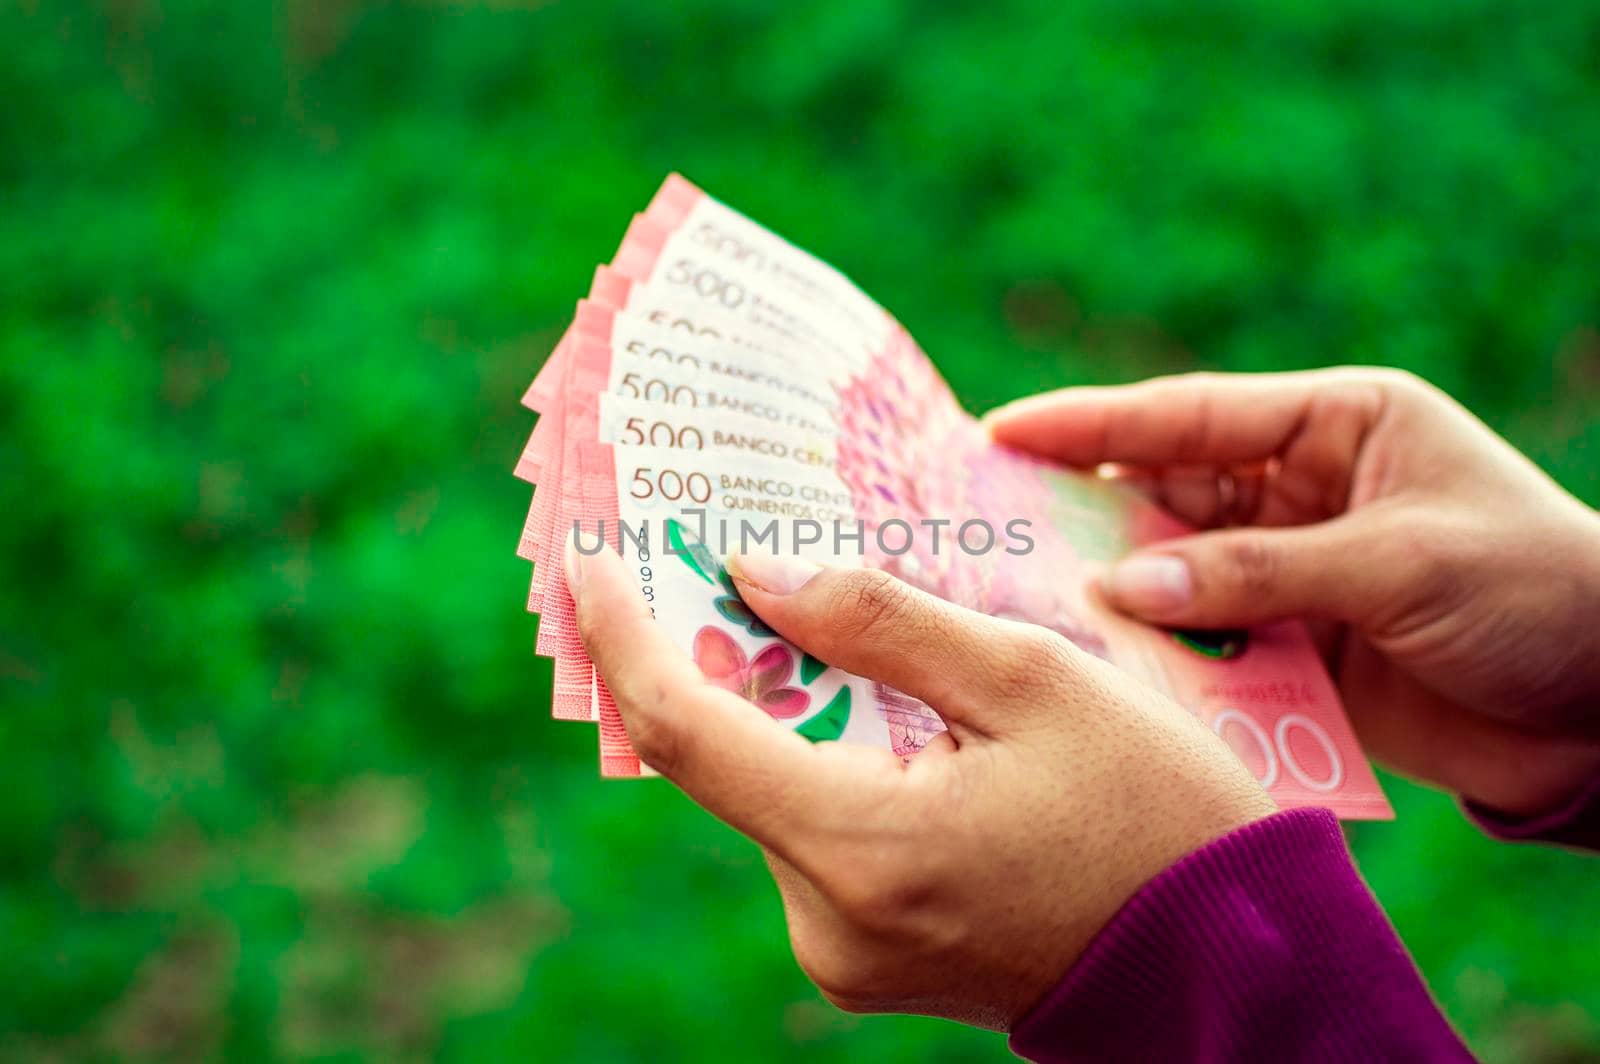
985 792
1466 582
961 883
720 390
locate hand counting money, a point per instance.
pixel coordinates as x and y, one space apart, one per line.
721 390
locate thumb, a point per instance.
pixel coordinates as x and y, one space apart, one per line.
866 622
1245 576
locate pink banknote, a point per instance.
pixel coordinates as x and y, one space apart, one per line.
718 385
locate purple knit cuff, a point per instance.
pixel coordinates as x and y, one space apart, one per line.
1263 945
1576 823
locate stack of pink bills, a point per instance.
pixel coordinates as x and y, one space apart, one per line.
720 391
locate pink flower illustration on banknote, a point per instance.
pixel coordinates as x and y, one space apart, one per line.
761 679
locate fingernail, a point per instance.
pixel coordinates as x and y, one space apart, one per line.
572 561
1151 583
776 574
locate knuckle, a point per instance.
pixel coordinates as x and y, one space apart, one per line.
850 971
1353 403
1036 661
1252 566
1400 380
846 999
1359 396
840 975
1437 554
1427 559
853 1005
866 601
1413 540
860 898
655 741
882 897
1195 437
591 626
602 633
1404 386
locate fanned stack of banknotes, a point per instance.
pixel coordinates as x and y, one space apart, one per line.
721 390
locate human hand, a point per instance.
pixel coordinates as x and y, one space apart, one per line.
965 882
1464 583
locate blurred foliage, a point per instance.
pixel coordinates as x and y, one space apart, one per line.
279 778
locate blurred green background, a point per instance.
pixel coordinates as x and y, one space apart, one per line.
278 774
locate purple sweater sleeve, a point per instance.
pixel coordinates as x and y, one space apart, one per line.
1263 945
1575 824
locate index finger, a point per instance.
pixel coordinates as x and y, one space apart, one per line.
725 753
1192 419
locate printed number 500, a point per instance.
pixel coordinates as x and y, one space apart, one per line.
670 485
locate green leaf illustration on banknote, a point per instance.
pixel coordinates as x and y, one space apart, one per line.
730 605
829 724
734 609
1221 644
692 552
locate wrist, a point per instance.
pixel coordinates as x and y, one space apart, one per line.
1575 822
1558 645
1553 781
1182 815
1517 772
1589 576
